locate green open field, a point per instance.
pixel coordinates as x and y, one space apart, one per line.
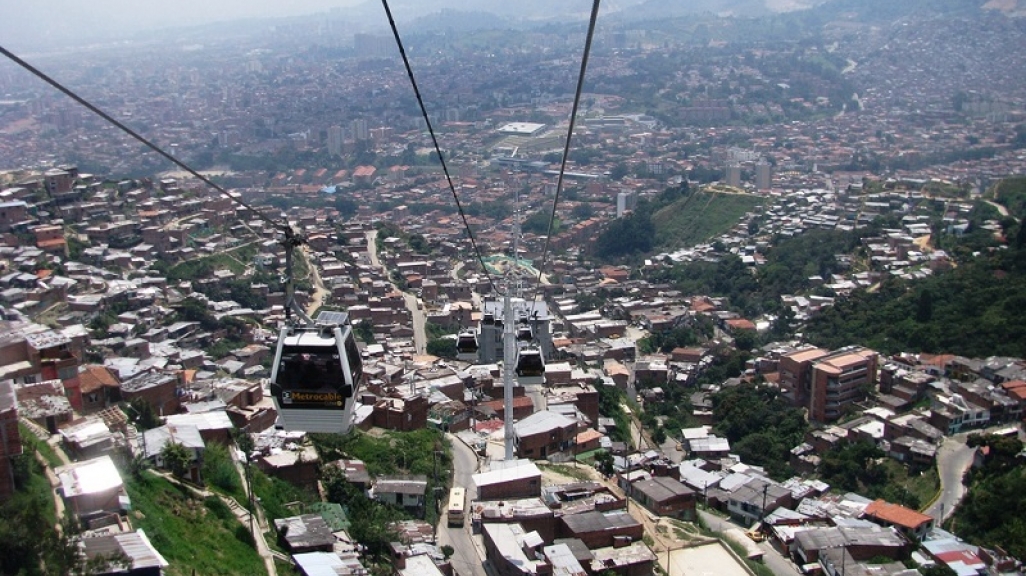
698 218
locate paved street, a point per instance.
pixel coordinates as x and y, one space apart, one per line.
953 459
466 560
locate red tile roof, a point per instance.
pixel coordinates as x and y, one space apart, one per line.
897 515
94 377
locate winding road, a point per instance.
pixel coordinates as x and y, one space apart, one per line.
953 459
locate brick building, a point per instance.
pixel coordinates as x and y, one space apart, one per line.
10 438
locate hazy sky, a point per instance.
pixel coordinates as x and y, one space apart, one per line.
26 22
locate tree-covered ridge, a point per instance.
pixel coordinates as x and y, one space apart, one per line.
789 266
977 310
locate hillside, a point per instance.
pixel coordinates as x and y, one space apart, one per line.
699 217
976 310
175 521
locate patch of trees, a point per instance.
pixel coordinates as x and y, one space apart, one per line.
628 236
696 332
442 347
994 510
635 233
422 451
611 401
761 425
858 467
538 223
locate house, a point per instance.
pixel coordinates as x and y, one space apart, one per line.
99 386
403 414
299 467
45 404
861 540
563 561
512 551
213 426
158 389
599 529
911 523
155 440
666 497
354 471
89 438
545 434
305 533
92 489
508 479
328 564
405 492
143 559
633 559
756 498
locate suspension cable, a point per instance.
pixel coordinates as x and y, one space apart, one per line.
434 140
286 228
566 146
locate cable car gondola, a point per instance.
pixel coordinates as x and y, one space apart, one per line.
316 374
524 332
530 365
467 345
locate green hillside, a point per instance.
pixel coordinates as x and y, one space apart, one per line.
699 217
176 522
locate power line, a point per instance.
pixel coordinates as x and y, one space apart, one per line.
566 146
434 140
96 110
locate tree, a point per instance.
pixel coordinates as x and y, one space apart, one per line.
364 332
142 414
176 458
604 463
442 347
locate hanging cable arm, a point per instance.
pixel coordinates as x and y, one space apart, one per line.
434 140
96 110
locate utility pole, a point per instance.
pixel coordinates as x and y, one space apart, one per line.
762 514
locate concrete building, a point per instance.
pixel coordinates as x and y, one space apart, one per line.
335 138
796 373
763 175
733 175
839 380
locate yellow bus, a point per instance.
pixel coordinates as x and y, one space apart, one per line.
457 504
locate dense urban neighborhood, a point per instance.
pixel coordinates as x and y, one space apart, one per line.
775 301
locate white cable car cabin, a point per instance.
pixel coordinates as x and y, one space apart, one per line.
316 375
530 367
467 345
